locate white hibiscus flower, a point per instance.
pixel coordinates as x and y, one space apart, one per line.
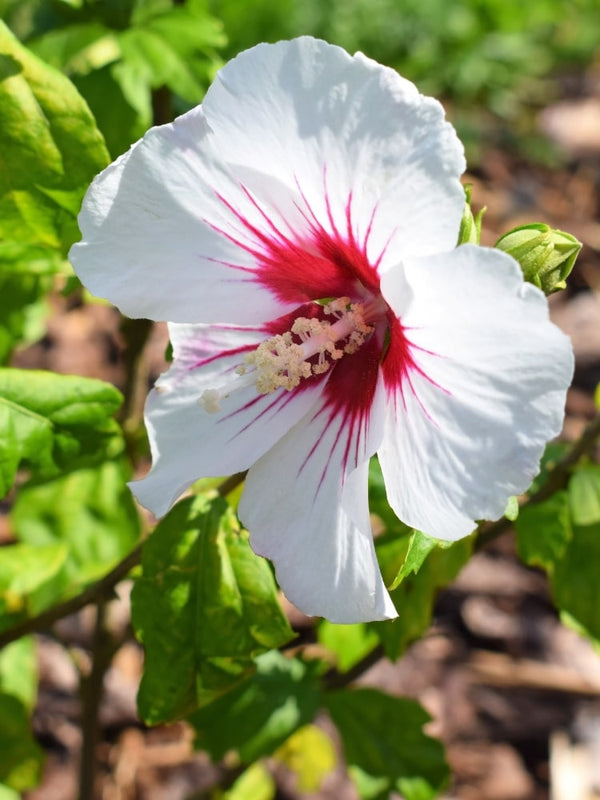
298 231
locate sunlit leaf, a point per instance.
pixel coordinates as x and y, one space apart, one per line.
25 572
21 760
51 149
255 783
18 670
49 143
91 511
544 530
8 794
349 643
49 422
584 495
310 754
205 607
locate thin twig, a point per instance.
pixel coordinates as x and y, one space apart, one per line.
104 647
136 333
102 589
333 679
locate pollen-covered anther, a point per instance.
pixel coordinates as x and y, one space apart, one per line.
281 362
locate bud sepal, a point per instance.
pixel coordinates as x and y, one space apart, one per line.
546 255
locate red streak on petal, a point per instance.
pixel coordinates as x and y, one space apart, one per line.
222 354
399 365
310 264
348 397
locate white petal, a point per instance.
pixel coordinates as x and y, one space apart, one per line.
160 240
290 136
468 432
188 442
306 507
308 113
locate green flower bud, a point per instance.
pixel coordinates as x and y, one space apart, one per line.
470 226
546 255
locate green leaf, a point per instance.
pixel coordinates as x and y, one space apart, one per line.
574 580
544 531
511 512
310 754
21 761
129 114
50 422
205 607
378 503
385 746
163 45
350 643
255 783
419 547
584 495
257 716
49 143
18 671
51 149
415 595
8 794
91 511
25 573
26 275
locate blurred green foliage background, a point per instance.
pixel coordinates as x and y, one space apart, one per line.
491 61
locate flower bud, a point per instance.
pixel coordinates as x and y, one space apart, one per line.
546 255
470 226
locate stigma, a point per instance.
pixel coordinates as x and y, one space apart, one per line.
309 348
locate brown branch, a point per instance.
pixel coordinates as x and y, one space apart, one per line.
136 333
91 687
231 483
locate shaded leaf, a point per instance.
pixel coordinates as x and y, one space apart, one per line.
258 715
158 45
574 580
544 530
415 595
385 746
205 607
21 761
378 503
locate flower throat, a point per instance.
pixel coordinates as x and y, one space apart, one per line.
309 348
